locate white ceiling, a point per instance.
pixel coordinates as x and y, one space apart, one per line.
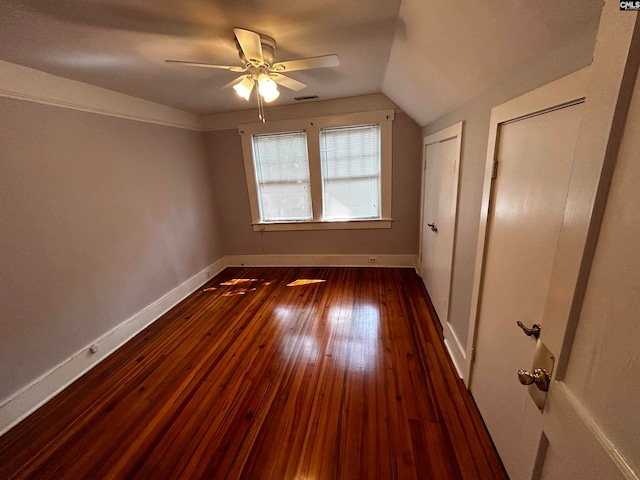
457 49
428 56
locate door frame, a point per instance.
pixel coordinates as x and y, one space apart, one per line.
608 88
457 351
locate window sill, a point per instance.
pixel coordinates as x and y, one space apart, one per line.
328 225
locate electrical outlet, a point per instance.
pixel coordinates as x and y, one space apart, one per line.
373 259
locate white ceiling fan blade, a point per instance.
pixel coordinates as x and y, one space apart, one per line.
232 83
288 82
307 63
250 43
209 65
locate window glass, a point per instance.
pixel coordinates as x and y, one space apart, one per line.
282 176
350 158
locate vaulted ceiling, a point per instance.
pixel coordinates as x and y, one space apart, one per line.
428 56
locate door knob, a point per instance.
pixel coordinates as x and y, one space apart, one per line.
539 376
542 368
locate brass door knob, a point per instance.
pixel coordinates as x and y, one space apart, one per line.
539 376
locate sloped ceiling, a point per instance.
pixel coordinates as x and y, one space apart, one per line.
428 56
447 52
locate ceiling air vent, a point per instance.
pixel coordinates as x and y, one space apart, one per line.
309 97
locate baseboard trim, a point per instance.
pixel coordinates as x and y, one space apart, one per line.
455 349
453 358
321 260
37 393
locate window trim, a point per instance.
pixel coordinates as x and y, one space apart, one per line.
312 126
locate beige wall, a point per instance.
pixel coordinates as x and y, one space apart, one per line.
476 115
605 358
225 152
99 217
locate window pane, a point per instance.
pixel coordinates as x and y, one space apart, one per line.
282 174
285 201
351 172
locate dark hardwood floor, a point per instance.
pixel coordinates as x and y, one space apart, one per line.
346 378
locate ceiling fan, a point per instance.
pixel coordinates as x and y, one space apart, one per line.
256 52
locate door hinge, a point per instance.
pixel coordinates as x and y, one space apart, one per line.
494 173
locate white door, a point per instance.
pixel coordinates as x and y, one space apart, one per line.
437 238
535 159
430 198
533 256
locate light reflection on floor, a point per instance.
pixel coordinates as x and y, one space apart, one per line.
350 335
238 291
300 346
357 347
238 281
291 343
305 281
244 286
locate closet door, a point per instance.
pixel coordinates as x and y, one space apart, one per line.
439 207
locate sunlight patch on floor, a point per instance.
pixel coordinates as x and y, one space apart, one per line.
242 286
238 281
304 281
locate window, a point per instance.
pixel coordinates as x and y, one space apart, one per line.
329 172
350 172
282 176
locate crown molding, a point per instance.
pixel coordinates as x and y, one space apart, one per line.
23 83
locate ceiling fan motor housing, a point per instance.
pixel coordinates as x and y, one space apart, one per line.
268 48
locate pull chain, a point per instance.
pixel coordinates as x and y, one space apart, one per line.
260 107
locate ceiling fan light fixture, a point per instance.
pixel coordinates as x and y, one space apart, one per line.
267 88
256 52
271 96
244 87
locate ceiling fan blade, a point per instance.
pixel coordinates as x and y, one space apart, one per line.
288 82
231 83
209 65
250 43
307 63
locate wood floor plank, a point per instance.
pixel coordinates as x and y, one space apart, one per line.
344 376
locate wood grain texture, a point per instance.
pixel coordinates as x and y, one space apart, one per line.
342 379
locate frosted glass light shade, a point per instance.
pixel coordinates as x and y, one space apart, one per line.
244 88
268 88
